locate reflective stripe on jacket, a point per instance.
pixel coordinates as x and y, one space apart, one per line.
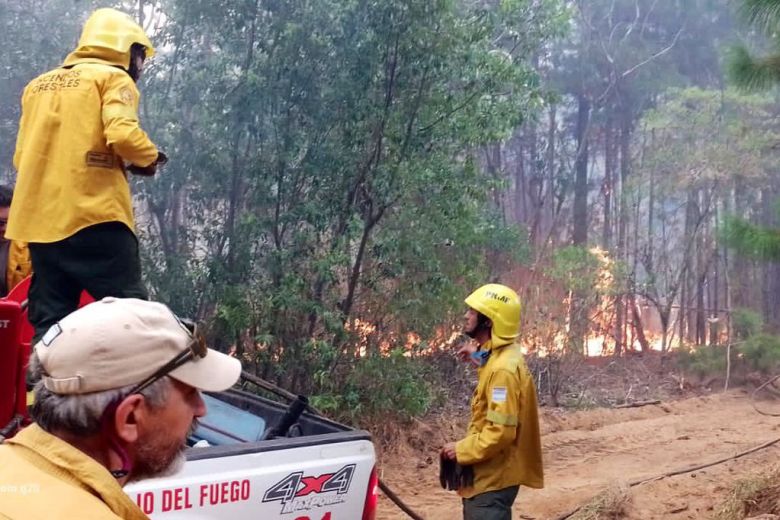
46 478
503 441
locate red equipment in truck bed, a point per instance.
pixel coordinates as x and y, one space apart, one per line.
15 336
10 359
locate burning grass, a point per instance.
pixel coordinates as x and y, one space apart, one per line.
752 496
610 504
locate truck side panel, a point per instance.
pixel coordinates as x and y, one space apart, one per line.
322 477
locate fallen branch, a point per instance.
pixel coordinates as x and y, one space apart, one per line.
682 471
637 404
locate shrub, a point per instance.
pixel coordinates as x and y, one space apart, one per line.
392 387
703 361
761 352
746 323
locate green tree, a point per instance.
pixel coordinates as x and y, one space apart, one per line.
704 151
755 71
323 197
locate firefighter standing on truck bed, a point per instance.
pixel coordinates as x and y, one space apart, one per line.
79 127
502 445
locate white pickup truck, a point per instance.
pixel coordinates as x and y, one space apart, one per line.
251 458
317 471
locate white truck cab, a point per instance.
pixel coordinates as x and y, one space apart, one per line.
321 472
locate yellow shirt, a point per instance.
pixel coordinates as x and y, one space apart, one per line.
44 478
503 443
79 126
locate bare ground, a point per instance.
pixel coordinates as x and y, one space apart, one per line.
586 452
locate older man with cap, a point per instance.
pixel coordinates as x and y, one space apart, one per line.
119 392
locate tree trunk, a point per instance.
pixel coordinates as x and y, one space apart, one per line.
550 197
701 280
622 225
688 306
771 269
607 187
577 312
681 313
519 202
639 327
580 211
535 182
742 293
715 305
664 315
651 213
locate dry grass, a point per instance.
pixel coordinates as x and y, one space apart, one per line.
752 496
608 505
417 439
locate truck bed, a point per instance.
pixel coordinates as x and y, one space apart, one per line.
325 472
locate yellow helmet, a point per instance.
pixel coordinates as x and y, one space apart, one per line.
108 35
502 306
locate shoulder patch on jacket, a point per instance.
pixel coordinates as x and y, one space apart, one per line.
127 96
498 394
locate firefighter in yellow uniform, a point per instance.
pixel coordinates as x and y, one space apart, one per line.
502 445
79 136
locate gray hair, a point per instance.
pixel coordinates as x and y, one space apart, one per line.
81 414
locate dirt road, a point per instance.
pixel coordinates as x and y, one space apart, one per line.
588 451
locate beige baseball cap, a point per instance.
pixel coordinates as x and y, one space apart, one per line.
118 342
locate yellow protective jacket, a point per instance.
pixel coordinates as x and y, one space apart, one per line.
79 125
44 478
19 264
503 442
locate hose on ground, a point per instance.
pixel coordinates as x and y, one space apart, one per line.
756 391
270 387
397 501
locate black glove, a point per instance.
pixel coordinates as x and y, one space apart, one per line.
466 476
446 472
148 171
454 476
143 171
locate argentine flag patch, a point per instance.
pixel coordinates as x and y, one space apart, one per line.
498 395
